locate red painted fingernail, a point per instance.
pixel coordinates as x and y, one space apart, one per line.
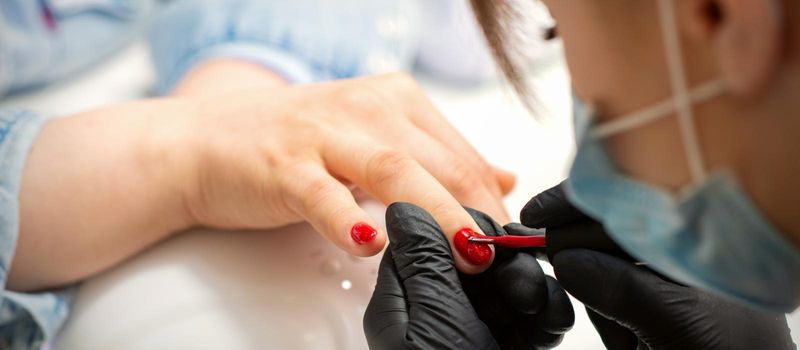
476 254
363 233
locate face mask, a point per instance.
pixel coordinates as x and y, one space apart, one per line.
710 236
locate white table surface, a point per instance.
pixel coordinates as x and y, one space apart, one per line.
288 288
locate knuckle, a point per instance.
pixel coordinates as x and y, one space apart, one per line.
400 85
305 122
486 173
333 221
317 192
360 100
386 166
484 169
463 180
275 159
443 212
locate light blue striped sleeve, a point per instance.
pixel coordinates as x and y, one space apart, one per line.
301 40
45 41
27 320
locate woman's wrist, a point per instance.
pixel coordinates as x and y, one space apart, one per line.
226 75
99 187
170 152
179 146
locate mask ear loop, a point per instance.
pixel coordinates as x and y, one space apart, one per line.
681 98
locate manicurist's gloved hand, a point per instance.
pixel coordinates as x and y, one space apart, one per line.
633 307
422 302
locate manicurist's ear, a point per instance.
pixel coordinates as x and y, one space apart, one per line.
748 37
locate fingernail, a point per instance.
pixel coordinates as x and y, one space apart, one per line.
363 233
476 254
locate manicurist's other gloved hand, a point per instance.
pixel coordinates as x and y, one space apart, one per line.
633 307
422 302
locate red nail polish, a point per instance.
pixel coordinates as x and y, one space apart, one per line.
476 254
363 233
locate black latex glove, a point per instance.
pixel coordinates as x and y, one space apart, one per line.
631 306
420 302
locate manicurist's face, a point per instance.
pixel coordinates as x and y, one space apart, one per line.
617 60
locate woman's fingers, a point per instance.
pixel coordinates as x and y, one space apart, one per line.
465 183
505 179
220 76
428 118
329 207
394 176
417 108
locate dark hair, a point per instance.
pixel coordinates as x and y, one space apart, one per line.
497 19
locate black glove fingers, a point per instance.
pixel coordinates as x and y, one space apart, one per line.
439 314
524 336
522 294
550 208
582 234
491 228
521 282
619 290
416 240
495 313
518 229
490 304
515 228
557 316
386 318
485 222
535 338
614 336
543 330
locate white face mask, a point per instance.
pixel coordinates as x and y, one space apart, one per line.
711 236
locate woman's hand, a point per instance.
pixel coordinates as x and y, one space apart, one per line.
102 185
271 157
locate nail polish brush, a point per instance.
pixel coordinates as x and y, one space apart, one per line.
511 241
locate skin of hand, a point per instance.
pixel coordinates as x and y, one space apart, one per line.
225 76
422 302
102 185
633 307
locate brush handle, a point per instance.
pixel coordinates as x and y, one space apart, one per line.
513 241
584 234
